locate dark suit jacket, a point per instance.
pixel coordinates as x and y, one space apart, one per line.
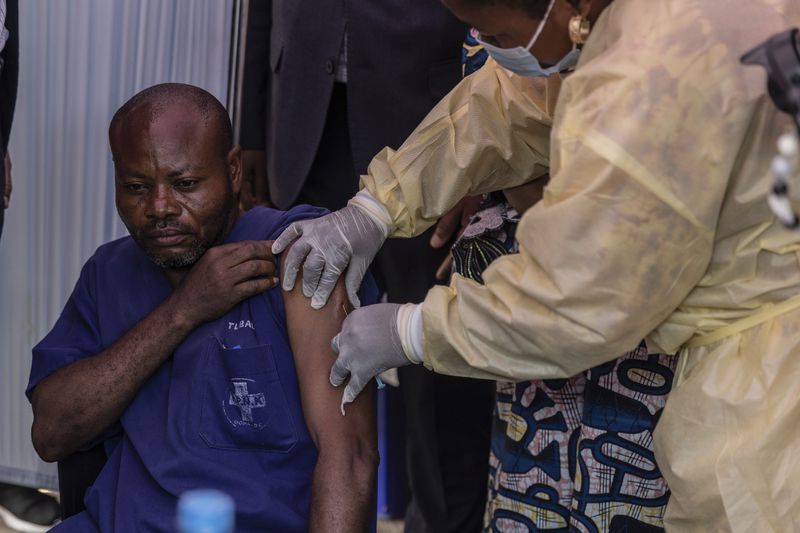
8 88
403 56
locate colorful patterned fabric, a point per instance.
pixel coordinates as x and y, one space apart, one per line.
577 454
574 454
489 235
473 56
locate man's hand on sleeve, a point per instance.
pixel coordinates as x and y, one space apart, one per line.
370 343
345 239
224 276
79 401
9 187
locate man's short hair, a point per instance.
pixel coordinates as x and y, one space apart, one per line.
155 99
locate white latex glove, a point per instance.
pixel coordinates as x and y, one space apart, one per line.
370 343
347 238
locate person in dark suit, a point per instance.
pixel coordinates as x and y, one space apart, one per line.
9 68
326 86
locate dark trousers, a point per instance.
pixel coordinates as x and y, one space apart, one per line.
448 420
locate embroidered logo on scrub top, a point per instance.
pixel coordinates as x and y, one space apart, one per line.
241 324
246 402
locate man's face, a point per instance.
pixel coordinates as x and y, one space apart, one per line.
175 191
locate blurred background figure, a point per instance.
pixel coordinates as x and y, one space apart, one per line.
326 86
9 68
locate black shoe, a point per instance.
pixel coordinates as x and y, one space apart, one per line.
27 510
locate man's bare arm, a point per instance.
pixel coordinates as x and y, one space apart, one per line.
343 489
77 403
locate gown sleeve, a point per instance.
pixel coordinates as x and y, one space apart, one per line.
646 134
490 132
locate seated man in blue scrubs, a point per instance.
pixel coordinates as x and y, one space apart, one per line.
178 354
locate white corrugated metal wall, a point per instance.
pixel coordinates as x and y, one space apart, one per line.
79 60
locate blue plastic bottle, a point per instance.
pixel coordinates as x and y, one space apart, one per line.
206 511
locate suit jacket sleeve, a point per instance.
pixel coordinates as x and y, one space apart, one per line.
255 85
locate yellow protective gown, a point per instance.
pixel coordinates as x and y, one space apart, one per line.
655 224
491 132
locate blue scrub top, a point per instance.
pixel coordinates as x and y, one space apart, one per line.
224 412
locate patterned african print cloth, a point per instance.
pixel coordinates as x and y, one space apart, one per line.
573 454
473 56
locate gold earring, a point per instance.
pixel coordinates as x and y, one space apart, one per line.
579 29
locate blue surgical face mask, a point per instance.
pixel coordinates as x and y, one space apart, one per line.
520 61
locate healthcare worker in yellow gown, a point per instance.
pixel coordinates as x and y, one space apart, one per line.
660 151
